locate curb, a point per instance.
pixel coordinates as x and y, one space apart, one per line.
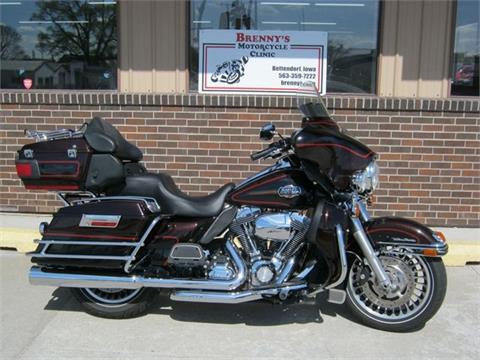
460 251
18 239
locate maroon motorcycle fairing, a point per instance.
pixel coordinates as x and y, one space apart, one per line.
323 149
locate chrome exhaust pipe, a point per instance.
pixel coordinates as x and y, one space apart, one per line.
215 296
218 297
39 277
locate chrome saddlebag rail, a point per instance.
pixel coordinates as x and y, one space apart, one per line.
128 250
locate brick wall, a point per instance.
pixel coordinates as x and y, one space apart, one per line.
429 149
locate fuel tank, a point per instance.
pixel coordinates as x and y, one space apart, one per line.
278 187
327 150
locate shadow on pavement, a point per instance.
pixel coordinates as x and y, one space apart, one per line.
62 300
258 313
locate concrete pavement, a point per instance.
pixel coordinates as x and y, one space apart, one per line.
47 323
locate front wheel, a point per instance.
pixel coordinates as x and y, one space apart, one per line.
115 303
418 288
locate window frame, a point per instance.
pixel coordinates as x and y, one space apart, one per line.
70 90
451 58
375 84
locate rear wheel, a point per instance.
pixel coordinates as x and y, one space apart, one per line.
115 303
418 289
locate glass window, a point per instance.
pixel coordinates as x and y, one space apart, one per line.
466 52
58 44
352 28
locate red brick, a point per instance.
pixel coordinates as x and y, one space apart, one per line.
429 165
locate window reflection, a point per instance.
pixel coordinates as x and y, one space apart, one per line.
58 44
352 28
466 54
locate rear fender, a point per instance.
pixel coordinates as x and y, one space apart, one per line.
405 234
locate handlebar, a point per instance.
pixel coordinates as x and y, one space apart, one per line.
263 153
274 150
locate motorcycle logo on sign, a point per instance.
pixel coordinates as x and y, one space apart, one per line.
231 71
27 83
289 191
241 61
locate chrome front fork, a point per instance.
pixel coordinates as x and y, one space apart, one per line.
365 245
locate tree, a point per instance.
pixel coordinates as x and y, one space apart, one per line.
10 39
77 30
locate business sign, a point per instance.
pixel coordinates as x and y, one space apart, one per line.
261 62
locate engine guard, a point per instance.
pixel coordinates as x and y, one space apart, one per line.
405 234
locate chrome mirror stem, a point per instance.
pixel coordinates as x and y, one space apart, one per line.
364 215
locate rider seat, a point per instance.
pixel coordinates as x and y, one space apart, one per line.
171 199
102 137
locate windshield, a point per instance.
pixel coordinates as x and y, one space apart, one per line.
310 103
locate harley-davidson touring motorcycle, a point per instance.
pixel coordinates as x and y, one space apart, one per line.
298 228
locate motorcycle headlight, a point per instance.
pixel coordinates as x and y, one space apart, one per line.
367 180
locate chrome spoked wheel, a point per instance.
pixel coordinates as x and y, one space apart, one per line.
408 297
111 297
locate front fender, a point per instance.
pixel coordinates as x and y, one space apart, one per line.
406 234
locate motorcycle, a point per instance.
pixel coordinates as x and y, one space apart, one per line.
298 228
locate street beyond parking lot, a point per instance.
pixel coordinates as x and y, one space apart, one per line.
47 323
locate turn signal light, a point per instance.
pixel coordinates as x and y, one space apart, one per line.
441 236
24 170
430 252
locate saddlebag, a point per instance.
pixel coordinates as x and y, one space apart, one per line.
98 233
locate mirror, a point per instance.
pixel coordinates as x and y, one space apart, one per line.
267 132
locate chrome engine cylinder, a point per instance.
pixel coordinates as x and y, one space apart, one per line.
299 226
242 227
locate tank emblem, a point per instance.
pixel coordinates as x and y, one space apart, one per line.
289 191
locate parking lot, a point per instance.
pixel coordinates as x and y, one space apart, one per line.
47 323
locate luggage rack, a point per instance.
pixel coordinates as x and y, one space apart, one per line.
55 134
78 195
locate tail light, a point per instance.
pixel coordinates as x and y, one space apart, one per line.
24 169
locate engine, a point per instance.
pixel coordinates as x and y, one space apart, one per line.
270 240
